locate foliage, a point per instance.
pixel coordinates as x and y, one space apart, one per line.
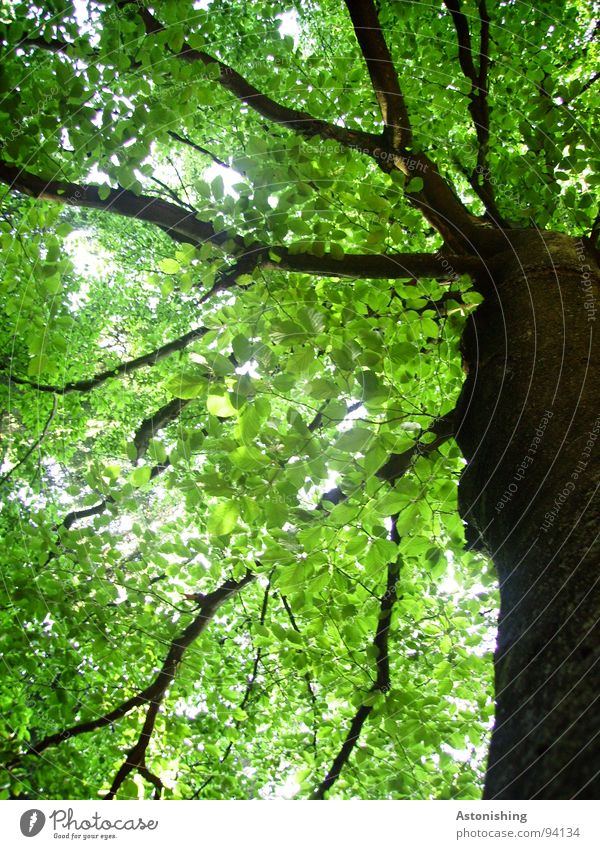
276 434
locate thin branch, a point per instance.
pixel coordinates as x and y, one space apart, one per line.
399 464
198 148
154 693
33 447
307 678
593 79
380 66
479 180
119 371
247 692
255 665
382 679
478 97
172 194
141 439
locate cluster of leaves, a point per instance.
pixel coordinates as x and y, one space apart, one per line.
255 443
92 607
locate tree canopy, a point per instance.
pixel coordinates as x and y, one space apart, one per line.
240 243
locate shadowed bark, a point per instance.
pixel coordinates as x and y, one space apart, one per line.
529 426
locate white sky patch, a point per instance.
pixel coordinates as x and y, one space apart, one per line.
346 424
289 25
81 12
250 368
48 624
331 480
97 176
287 790
449 584
461 755
85 260
121 594
309 494
229 175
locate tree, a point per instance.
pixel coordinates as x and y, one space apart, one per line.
250 252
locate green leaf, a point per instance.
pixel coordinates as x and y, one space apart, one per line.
128 790
140 476
53 284
220 406
169 265
353 440
415 185
157 452
242 348
247 457
187 385
223 518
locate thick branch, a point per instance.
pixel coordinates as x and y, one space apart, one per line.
399 464
387 266
182 226
465 52
85 513
595 231
380 66
53 45
437 201
156 422
293 119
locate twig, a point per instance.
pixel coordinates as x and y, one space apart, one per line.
153 694
382 680
35 445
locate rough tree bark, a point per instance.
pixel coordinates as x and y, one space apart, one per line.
529 428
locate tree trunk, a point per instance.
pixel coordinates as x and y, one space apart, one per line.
529 428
